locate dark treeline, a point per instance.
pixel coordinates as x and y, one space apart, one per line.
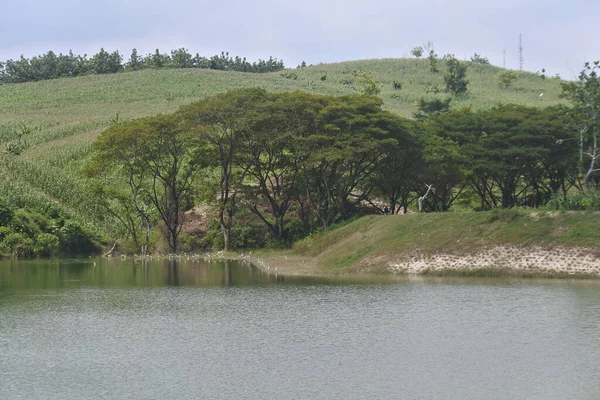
275 167
50 65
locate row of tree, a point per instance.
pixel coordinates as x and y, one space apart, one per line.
298 159
50 65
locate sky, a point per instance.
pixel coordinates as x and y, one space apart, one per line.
557 35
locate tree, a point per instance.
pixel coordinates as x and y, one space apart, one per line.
506 78
478 59
106 63
158 158
135 61
181 58
428 108
455 78
585 95
433 62
365 83
274 152
221 123
417 51
349 145
399 171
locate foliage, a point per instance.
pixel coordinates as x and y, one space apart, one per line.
417 51
478 59
429 108
17 245
64 116
46 245
158 159
577 201
455 78
50 66
585 95
506 78
365 83
6 213
433 62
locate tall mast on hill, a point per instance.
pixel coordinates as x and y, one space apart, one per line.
520 54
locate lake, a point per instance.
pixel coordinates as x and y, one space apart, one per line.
117 329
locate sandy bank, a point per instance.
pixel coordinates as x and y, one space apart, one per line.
535 259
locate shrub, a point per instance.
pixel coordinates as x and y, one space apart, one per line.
23 222
6 213
506 78
4 231
76 240
579 201
46 245
365 83
478 59
187 242
417 51
455 78
17 245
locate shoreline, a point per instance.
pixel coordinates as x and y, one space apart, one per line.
517 261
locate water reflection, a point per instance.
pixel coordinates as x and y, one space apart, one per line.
54 274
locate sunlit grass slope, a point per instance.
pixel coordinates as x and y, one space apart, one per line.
350 247
59 119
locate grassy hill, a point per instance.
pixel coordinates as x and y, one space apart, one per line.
505 242
59 119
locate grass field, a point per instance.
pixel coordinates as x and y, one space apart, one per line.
353 246
59 119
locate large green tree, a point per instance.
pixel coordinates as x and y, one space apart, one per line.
156 159
221 122
585 95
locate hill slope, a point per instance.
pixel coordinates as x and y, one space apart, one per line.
504 242
59 119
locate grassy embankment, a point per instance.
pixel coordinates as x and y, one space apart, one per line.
60 118
503 243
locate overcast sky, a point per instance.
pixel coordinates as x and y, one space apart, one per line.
558 35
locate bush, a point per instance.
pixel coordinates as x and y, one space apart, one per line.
6 213
506 78
76 240
23 222
187 242
46 245
4 231
580 201
17 245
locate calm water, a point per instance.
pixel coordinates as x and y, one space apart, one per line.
119 330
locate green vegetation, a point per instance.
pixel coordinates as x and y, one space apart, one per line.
51 66
374 240
506 78
47 232
47 129
455 78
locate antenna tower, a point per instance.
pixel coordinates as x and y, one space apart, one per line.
504 58
520 54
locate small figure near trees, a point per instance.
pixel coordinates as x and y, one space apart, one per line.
386 210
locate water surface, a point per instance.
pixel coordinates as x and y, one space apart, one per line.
186 330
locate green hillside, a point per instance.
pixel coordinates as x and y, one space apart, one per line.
59 119
537 241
